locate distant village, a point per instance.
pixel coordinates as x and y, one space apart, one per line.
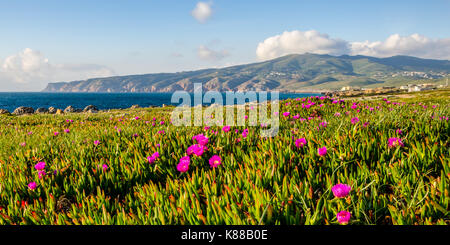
356 91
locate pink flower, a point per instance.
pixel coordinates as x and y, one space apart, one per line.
32 185
323 124
341 190
296 116
215 161
322 151
196 149
394 142
39 166
300 142
66 131
105 167
201 139
183 165
41 174
399 131
56 133
343 217
136 118
286 114
226 128
162 122
151 159
97 142
245 133
23 144
355 120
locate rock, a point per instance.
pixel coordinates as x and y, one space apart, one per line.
41 110
69 109
90 108
59 112
92 111
3 111
23 110
52 110
163 105
78 110
135 107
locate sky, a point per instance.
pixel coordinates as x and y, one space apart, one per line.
53 40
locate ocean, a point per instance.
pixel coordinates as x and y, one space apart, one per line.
103 101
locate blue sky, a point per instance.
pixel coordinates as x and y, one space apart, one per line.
44 41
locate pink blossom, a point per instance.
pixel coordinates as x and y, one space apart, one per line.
215 161
394 142
66 131
286 114
56 133
343 217
226 128
105 167
341 190
196 149
32 185
322 151
151 159
300 142
97 142
39 166
183 165
201 139
41 174
355 120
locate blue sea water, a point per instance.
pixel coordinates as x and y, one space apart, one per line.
103 101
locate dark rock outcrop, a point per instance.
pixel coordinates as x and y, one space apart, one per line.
90 108
23 110
41 110
3 111
52 110
69 109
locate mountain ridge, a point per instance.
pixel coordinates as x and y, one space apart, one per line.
294 72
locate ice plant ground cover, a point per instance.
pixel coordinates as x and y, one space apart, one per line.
391 166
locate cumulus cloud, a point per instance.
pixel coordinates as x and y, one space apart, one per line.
319 43
300 42
206 53
202 11
413 45
30 68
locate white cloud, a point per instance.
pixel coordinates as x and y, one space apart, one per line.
206 53
300 42
315 42
30 69
413 45
202 11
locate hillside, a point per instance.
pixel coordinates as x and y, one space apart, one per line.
288 73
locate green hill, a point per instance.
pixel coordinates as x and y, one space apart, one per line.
288 73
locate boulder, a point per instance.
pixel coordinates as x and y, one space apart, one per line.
41 110
3 111
52 110
59 112
23 110
92 111
78 110
69 109
90 108
135 107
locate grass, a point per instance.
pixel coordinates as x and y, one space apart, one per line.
260 180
